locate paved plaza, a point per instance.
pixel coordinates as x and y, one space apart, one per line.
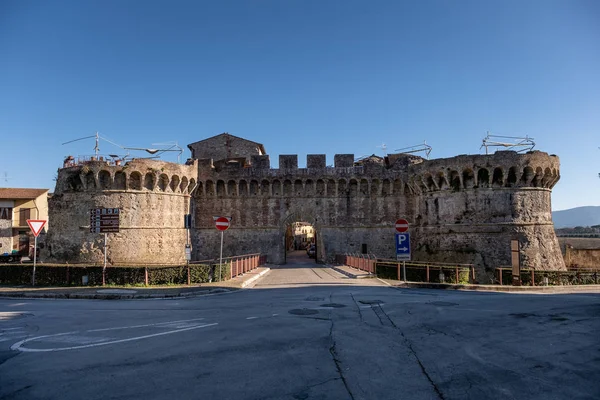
304 331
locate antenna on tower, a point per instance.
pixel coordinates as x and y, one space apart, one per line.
520 143
97 145
384 148
417 148
6 178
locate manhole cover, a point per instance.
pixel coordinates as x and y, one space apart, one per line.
116 291
303 311
370 301
333 305
315 298
443 303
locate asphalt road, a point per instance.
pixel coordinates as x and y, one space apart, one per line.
304 332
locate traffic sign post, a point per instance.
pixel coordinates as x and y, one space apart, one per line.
104 220
403 246
402 240
403 250
36 226
401 225
222 224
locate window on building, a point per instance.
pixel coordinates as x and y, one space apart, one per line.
24 215
5 213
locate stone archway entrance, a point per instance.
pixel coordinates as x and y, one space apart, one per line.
290 230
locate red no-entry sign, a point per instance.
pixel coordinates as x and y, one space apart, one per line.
222 223
401 225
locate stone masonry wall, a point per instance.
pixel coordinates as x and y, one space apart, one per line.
5 235
153 197
223 147
461 209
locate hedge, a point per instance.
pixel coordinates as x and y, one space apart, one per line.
419 274
47 275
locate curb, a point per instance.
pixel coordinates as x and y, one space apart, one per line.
351 275
255 278
498 289
99 296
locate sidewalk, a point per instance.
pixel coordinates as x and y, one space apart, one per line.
358 274
131 292
352 272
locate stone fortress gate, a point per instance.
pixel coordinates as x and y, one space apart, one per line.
464 209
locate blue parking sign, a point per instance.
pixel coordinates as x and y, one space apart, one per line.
403 246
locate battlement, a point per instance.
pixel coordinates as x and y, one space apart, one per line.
401 174
136 175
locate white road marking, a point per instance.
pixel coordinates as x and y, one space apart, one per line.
159 324
275 315
10 329
252 318
18 345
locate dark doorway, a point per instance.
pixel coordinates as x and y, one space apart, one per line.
23 243
300 240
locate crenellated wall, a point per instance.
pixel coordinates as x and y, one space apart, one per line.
461 209
153 197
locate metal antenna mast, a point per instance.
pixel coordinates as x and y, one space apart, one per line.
417 148
97 137
384 148
520 143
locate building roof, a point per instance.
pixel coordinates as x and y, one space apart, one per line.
19 193
260 145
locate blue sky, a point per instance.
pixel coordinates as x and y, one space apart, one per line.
301 77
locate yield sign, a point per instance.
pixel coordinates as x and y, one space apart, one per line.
222 223
36 225
401 225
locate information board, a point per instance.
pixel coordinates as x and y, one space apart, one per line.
104 220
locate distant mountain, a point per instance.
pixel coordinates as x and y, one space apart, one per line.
578 216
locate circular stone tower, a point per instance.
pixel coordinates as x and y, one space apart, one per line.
153 197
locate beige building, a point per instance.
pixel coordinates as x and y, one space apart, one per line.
16 207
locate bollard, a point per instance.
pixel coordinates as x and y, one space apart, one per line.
427 266
456 276
500 274
146 276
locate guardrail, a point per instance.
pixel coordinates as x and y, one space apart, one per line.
531 277
410 271
430 272
242 264
363 262
146 274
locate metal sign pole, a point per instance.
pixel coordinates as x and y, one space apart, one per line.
221 257
404 270
104 267
34 261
